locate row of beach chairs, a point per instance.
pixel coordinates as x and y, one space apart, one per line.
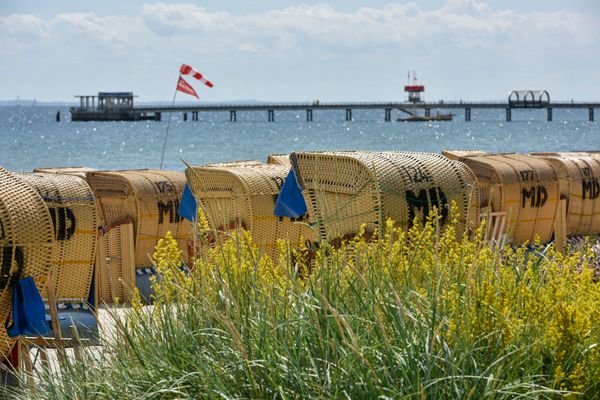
86 236
524 197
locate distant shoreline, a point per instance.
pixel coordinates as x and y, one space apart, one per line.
34 103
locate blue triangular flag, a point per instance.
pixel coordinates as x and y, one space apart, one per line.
28 313
290 202
187 204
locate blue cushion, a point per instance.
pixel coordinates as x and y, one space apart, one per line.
144 284
84 321
28 310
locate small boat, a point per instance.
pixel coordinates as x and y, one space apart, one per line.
420 118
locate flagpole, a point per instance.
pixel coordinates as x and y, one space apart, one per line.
162 158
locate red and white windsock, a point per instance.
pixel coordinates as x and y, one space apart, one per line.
189 70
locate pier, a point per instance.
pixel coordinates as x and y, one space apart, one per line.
120 107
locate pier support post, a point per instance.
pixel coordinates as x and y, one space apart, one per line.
195 116
309 116
185 116
549 114
271 115
508 114
348 114
428 112
591 114
157 116
388 114
467 114
58 116
232 116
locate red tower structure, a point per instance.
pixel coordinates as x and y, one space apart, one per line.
414 91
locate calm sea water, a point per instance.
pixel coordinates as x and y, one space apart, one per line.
32 138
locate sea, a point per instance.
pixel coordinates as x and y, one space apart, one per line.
30 137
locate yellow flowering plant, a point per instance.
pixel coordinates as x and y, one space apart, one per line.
462 302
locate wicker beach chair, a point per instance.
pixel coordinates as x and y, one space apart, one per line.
344 190
243 196
72 208
526 188
26 244
148 199
579 176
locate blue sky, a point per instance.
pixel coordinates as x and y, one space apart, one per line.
300 51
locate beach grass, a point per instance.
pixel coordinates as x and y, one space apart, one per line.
411 314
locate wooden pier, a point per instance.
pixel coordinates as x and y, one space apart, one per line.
524 100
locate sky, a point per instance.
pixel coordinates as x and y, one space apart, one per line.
346 50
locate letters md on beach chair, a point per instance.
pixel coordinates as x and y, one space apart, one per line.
243 195
26 246
343 190
137 208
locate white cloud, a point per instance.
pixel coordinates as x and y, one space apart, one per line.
15 30
463 23
23 24
173 18
119 30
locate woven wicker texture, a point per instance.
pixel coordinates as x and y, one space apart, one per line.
244 196
458 154
279 159
116 265
343 190
26 243
79 171
579 175
73 210
237 163
525 187
150 198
